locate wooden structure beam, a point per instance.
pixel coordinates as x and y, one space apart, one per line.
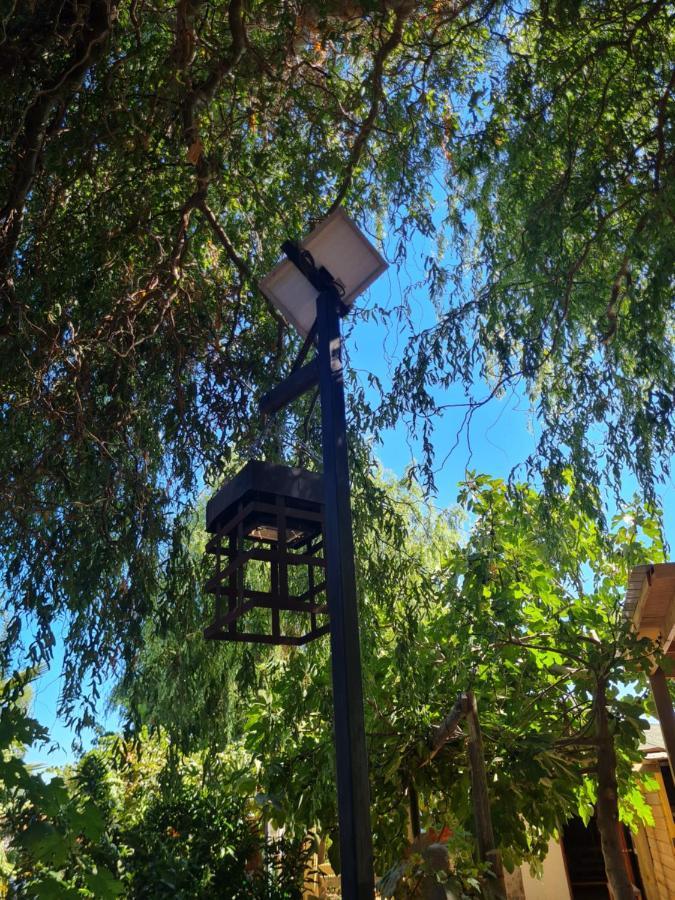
664 708
650 605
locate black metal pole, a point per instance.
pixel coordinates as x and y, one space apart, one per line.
356 852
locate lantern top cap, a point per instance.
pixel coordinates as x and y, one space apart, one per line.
258 477
339 245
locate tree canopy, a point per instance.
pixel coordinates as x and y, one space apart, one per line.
525 609
153 157
511 597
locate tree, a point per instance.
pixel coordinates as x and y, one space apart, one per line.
558 171
155 155
126 820
551 586
53 835
524 610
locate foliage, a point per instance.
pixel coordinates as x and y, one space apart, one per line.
198 843
516 596
153 159
560 165
154 155
282 708
546 588
433 860
126 822
56 836
524 608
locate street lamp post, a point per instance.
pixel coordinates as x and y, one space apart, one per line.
314 288
356 853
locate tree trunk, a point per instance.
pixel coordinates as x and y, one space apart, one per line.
480 798
607 806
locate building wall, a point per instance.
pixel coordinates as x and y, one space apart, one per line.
654 845
553 884
658 851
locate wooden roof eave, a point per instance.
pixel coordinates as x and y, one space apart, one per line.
650 603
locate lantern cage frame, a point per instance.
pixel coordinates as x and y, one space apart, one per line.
272 514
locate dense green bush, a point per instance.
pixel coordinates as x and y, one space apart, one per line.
130 820
196 843
54 834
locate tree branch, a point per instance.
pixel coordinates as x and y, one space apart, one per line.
445 731
30 143
241 264
376 79
204 91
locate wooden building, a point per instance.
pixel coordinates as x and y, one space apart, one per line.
650 606
574 868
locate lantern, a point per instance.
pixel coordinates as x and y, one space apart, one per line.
267 527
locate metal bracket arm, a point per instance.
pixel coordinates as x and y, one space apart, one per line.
299 382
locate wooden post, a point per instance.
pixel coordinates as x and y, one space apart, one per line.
480 799
233 580
280 569
664 707
645 863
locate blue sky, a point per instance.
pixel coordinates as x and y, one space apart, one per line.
502 435
503 432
